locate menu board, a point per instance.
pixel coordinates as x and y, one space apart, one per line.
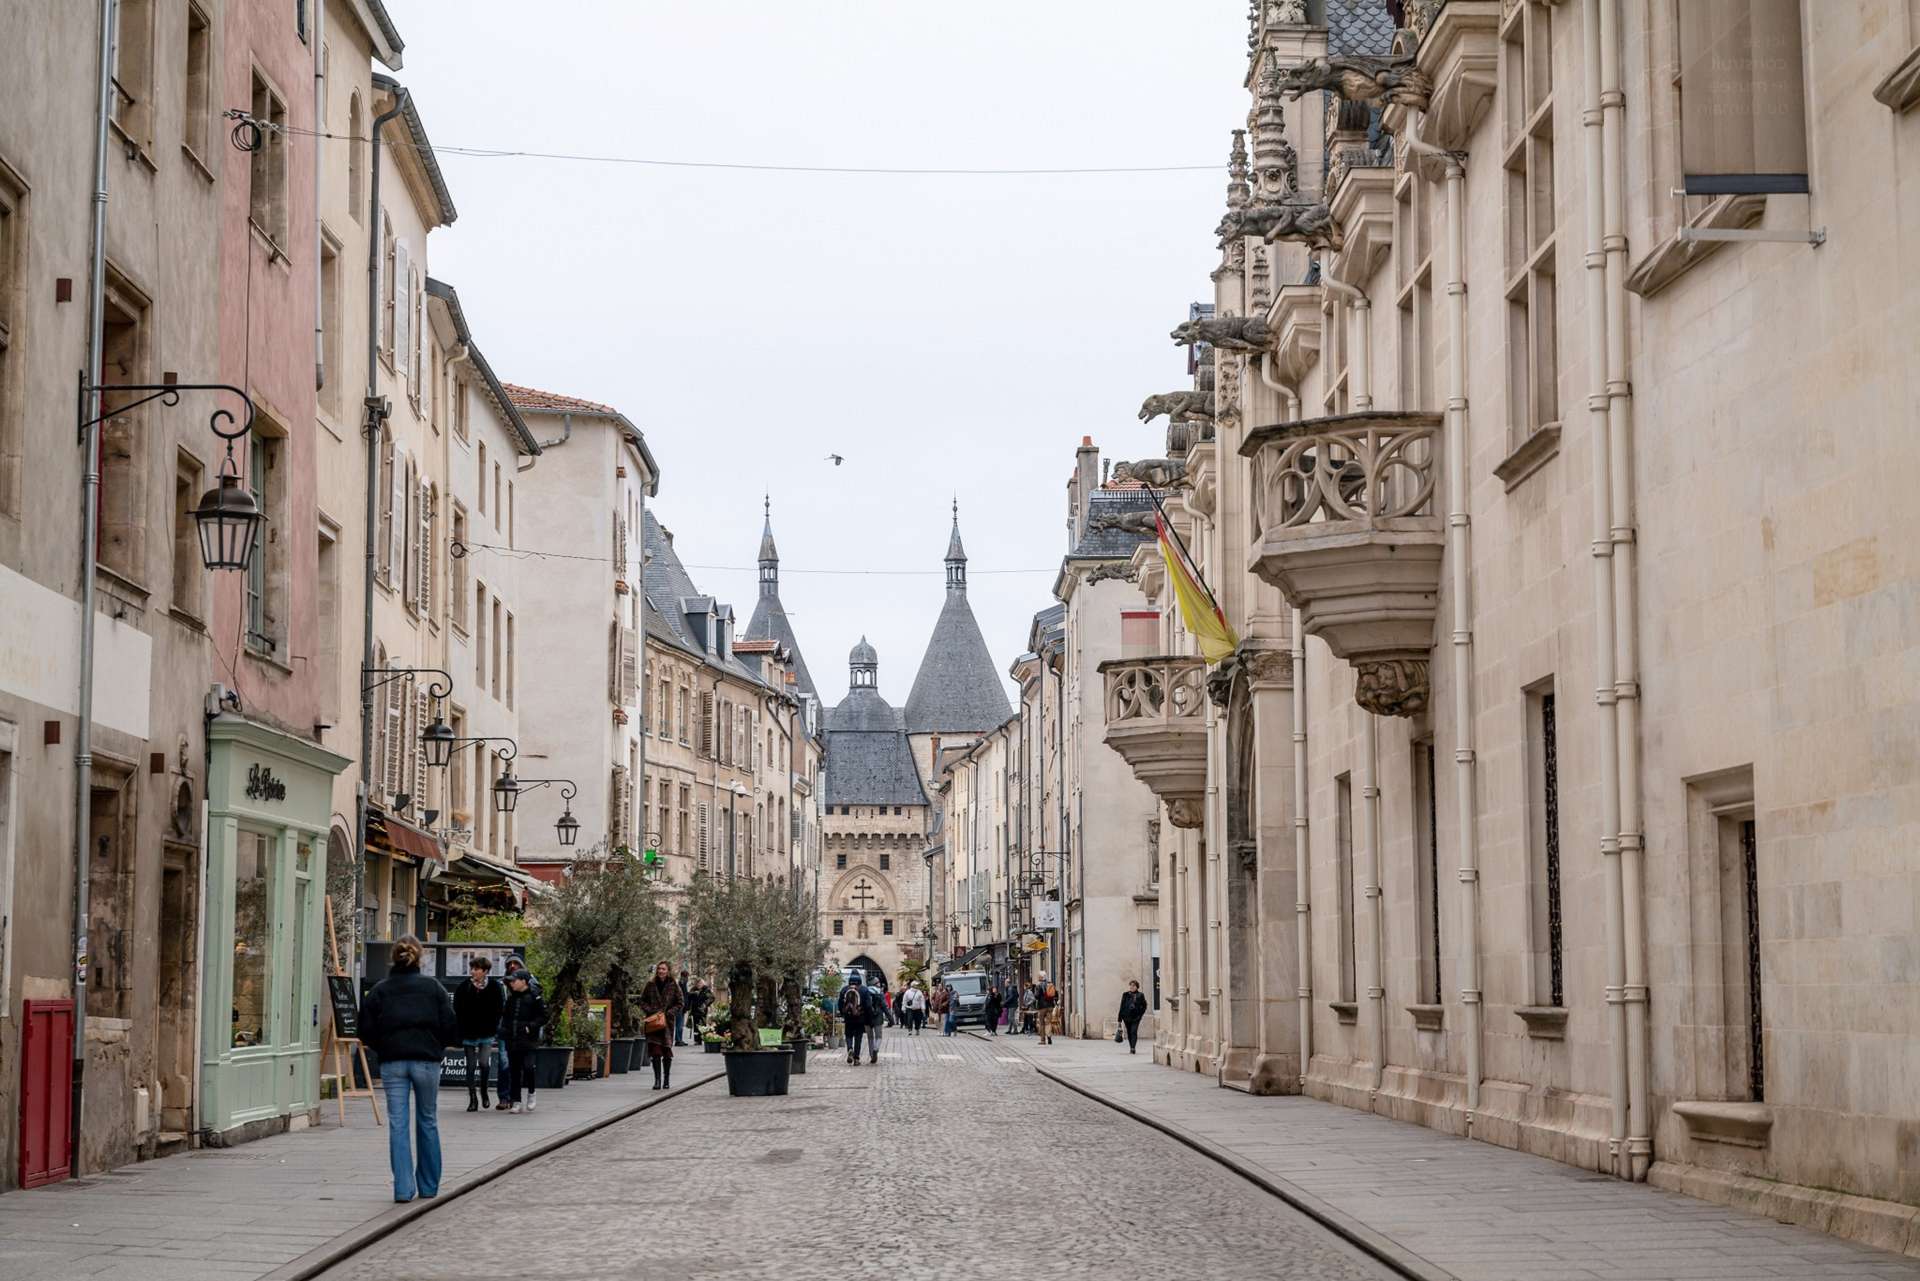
346 1008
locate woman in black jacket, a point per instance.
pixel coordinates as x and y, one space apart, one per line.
408 1021
1133 1008
521 1024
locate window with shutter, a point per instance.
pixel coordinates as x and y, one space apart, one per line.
379 762
706 727
384 552
419 334
401 300
616 806
619 546
616 638
629 666
395 710
703 838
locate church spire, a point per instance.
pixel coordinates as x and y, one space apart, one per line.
956 555
769 555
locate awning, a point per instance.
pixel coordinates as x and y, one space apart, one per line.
387 834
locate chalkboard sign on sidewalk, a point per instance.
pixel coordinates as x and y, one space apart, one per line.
346 1007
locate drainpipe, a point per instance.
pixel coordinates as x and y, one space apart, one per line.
1460 566
1626 687
1302 861
375 416
1360 374
89 553
319 37
1592 130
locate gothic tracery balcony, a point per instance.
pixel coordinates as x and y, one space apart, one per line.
1157 720
1346 524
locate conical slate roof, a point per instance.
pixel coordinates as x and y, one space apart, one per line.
958 689
868 759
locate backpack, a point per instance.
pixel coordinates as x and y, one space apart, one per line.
851 1002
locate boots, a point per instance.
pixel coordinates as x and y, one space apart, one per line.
486 1102
658 1073
473 1099
666 1074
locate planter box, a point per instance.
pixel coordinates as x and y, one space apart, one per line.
626 1052
552 1065
799 1051
714 1047
758 1073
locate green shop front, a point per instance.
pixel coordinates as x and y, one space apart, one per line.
269 799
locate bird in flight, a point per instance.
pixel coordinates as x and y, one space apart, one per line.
835 459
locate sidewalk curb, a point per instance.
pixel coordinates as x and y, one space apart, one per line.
1382 1248
357 1238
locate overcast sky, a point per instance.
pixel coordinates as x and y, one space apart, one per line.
946 335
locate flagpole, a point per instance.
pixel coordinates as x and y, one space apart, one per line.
1166 523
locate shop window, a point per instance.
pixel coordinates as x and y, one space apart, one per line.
253 910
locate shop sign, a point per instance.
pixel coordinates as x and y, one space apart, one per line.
263 786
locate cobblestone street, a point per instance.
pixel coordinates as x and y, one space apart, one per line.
925 1166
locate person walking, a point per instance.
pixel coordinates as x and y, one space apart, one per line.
916 1003
877 999
502 1067
477 1006
1133 1008
1046 1000
853 1013
993 1011
1029 995
680 1016
521 1023
660 1005
408 1020
699 997
943 1005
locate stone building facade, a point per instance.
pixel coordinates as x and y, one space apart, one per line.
1555 792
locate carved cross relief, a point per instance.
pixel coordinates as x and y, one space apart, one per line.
863 895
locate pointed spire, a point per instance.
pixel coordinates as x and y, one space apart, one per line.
769 554
956 554
1239 191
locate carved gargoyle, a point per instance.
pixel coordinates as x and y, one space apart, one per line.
1118 572
1227 333
1312 224
1287 220
1157 473
1392 80
1179 407
1132 522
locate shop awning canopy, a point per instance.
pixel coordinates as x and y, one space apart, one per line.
387 834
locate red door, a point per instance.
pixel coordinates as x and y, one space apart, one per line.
46 1092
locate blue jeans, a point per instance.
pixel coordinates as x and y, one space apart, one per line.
947 1028
418 1080
509 1088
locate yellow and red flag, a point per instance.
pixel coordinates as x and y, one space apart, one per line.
1198 610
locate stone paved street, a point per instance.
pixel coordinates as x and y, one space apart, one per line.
950 1159
235 1214
1481 1212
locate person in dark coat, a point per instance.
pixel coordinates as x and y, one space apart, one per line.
509 1087
407 1019
1133 1008
477 1006
680 1019
993 1010
661 996
521 1024
854 1013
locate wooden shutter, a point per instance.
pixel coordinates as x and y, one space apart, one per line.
422 716
703 838
707 745
424 592
395 521
616 638
419 333
384 552
406 512
394 718
619 546
629 666
402 305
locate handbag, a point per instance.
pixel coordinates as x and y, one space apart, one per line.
1118 1036
654 1022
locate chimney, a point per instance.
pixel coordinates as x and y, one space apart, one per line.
1086 479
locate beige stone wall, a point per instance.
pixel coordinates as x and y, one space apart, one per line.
854 846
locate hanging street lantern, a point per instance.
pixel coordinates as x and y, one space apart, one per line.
438 740
506 792
229 523
568 827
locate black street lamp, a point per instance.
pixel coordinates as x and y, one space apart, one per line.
568 828
506 792
227 518
438 740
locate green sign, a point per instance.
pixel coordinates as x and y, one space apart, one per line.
650 858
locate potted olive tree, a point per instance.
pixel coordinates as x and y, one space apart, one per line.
600 927
747 929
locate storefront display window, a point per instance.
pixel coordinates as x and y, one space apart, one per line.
400 907
253 913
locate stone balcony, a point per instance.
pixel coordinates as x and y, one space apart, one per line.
1346 524
1157 720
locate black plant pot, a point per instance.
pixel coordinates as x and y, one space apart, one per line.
799 1051
552 1065
715 1047
624 1052
757 1073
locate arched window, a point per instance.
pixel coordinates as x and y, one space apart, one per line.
356 157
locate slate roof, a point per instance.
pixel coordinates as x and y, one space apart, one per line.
770 622
1112 544
868 759
958 688
1359 26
